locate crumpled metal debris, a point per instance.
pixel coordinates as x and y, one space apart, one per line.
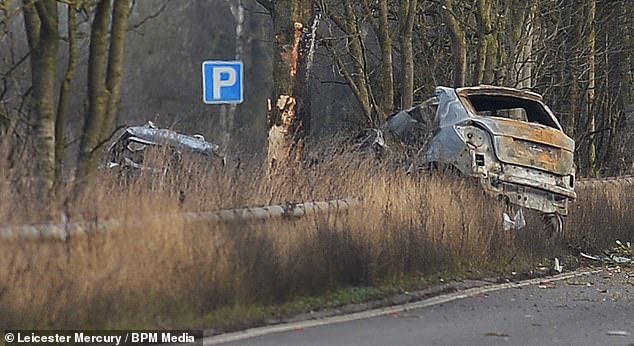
621 254
517 222
371 139
128 151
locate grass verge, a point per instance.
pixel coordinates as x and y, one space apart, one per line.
166 273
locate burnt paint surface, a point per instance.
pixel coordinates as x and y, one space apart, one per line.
533 147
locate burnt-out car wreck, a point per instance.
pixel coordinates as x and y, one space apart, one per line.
147 148
507 139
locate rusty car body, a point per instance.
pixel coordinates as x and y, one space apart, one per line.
506 138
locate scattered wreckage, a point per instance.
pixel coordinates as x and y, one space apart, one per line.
130 151
507 139
621 254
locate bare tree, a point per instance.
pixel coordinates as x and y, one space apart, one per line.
105 71
41 25
63 102
407 17
458 43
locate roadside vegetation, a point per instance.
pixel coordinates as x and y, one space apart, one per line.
165 273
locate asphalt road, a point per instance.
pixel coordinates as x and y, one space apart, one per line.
597 309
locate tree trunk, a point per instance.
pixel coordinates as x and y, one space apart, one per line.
523 32
458 44
64 94
91 136
482 34
387 69
408 14
41 24
591 93
120 15
228 112
289 110
105 72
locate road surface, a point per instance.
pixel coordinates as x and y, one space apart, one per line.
596 309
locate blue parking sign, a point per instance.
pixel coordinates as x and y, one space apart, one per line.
222 82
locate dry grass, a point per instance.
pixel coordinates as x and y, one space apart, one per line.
161 271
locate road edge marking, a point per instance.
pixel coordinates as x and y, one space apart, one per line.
361 315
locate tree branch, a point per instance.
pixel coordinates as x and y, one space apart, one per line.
46 18
150 17
267 4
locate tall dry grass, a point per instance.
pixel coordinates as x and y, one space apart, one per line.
156 266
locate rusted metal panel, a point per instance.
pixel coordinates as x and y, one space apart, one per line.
534 154
528 131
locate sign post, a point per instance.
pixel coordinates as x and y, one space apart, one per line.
222 82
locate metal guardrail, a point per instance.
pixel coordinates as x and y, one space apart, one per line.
65 230
625 180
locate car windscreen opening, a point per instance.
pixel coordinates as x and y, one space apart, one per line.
511 108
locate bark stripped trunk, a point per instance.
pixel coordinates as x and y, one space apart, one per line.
289 108
41 24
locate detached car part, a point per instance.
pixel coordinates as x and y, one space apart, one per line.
130 149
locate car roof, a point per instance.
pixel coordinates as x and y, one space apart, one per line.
497 90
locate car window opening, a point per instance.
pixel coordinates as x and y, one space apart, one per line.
511 108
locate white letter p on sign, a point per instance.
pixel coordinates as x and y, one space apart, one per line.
219 82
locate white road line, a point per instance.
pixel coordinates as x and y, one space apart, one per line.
254 332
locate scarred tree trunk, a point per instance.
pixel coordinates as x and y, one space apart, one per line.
289 108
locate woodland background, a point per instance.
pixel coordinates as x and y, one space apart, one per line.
73 71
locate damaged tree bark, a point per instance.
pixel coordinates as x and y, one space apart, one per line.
289 108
